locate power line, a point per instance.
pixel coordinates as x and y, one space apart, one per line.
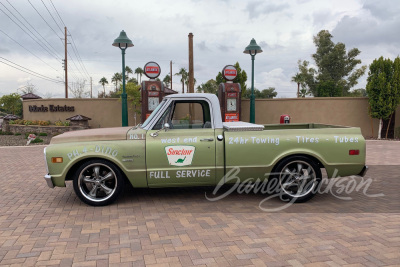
57 12
45 48
45 20
51 16
79 59
31 72
31 26
28 50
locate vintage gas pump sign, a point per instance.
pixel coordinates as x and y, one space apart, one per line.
152 91
229 95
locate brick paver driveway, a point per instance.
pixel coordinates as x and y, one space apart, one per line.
43 226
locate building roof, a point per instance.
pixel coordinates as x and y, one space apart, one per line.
79 118
11 117
169 91
30 96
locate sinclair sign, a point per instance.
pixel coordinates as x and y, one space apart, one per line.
152 70
229 72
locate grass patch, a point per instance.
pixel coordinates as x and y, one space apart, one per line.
42 134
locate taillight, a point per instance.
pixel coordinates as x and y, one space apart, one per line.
353 152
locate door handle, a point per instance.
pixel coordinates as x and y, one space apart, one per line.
207 139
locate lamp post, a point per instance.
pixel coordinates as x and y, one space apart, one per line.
253 48
123 42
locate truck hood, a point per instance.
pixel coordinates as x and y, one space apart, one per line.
100 134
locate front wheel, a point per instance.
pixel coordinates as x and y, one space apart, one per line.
98 182
298 178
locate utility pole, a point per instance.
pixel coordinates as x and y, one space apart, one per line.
170 72
65 65
91 88
191 74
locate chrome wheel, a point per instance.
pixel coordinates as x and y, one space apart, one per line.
298 179
97 182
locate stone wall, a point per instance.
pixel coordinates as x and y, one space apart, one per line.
51 130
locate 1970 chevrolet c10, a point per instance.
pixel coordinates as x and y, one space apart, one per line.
185 143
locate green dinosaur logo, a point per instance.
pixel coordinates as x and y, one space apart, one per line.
181 160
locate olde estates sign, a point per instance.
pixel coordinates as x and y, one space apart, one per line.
51 108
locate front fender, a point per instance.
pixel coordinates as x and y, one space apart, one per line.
120 153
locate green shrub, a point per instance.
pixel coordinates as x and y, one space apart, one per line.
6 133
37 140
42 134
16 134
66 123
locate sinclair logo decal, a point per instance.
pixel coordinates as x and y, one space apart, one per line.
180 155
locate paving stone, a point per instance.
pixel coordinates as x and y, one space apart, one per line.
179 227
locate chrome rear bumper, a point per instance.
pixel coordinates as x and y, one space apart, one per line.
49 182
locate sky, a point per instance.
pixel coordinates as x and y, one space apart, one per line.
32 32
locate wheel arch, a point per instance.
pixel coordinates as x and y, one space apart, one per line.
316 160
72 170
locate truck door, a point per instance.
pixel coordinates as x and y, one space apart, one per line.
184 154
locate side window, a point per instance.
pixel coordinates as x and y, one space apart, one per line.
186 115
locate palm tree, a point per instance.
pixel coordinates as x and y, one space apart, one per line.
103 81
299 79
116 79
139 71
167 80
128 71
182 72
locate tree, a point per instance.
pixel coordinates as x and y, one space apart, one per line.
383 89
210 86
78 89
103 81
116 78
241 78
128 71
336 73
265 93
167 80
184 76
139 71
28 89
133 93
133 80
300 80
11 104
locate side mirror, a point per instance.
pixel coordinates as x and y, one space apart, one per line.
166 126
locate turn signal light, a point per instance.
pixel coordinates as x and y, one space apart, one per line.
354 152
57 160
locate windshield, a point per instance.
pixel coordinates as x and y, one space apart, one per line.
153 113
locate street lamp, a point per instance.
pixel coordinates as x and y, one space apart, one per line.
253 48
123 42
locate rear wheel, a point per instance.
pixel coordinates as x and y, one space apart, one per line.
298 178
98 182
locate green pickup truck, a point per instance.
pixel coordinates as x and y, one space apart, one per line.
185 143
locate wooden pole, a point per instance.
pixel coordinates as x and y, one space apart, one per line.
66 65
170 72
191 71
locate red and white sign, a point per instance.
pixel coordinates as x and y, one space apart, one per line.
231 117
232 95
229 72
152 70
180 155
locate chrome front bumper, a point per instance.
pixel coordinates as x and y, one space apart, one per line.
49 182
